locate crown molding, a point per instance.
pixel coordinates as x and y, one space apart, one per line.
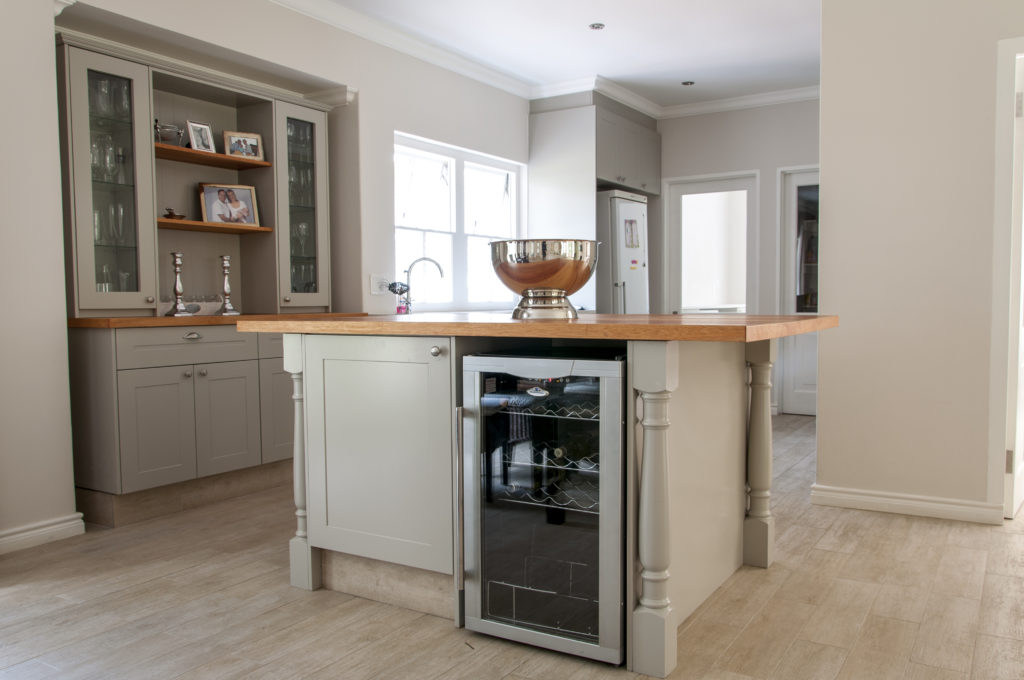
753 101
382 34
625 96
566 87
61 5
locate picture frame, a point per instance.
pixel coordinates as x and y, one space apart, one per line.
200 136
243 144
221 209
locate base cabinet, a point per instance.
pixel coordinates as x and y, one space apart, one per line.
155 406
379 451
277 415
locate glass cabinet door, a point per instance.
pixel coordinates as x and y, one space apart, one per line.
302 199
110 155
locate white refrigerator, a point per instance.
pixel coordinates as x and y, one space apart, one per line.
622 285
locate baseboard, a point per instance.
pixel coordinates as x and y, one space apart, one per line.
31 535
908 504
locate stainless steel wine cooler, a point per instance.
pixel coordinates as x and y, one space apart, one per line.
543 502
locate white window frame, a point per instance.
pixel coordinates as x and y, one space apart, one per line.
460 288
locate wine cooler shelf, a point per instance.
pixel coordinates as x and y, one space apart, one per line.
569 494
554 457
549 408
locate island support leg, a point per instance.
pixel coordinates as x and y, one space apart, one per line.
759 525
655 377
304 559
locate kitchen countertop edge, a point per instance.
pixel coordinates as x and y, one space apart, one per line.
663 327
200 320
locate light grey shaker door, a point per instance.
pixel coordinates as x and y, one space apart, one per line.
277 422
379 447
227 416
156 416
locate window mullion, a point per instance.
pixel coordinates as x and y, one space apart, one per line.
459 245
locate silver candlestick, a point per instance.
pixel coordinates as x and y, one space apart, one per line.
179 306
227 309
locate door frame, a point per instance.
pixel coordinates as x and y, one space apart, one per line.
672 276
1005 461
786 262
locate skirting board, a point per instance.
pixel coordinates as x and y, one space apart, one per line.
908 504
30 535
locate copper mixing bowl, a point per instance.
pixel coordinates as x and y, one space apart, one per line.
544 272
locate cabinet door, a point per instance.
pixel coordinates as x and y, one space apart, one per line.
227 416
156 424
379 447
111 172
613 153
648 160
277 411
303 227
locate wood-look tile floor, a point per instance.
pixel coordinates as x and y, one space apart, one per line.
204 594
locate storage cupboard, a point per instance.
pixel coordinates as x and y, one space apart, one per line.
126 173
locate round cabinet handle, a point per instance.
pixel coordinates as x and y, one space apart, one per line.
191 335
287 299
188 374
150 299
202 372
435 351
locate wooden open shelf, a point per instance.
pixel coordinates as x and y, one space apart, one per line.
170 152
214 227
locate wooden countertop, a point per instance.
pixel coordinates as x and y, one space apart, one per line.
700 327
203 320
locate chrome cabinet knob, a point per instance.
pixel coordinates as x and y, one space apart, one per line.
202 372
191 335
188 374
150 299
287 299
435 351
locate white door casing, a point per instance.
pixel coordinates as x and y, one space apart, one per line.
797 369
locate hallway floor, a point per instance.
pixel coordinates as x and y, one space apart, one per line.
204 594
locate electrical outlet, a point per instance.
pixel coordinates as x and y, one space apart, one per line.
379 284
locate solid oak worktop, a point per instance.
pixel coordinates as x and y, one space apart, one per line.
699 327
197 320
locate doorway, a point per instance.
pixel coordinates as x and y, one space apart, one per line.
799 268
712 237
1010 221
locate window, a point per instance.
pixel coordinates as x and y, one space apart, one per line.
449 204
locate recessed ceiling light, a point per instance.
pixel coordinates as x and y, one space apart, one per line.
596 26
687 83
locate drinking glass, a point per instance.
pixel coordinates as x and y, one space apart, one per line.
302 233
125 279
122 98
97 226
109 158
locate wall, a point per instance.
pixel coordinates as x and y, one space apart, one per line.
395 92
763 139
907 176
36 487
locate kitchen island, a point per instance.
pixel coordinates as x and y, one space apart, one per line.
697 448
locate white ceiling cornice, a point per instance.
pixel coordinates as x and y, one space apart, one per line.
382 34
61 5
801 94
376 31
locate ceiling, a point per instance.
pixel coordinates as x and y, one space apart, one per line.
737 52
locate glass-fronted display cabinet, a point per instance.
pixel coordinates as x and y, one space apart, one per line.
302 218
106 109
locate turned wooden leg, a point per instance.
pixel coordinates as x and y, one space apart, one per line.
655 376
304 560
759 525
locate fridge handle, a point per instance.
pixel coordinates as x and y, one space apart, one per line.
622 288
460 505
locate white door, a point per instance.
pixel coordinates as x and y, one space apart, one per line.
1013 493
798 368
711 260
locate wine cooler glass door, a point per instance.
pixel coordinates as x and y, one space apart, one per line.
547 511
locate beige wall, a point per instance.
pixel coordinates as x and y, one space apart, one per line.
396 92
907 173
36 489
764 139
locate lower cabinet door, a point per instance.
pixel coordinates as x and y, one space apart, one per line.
379 447
277 422
227 398
157 427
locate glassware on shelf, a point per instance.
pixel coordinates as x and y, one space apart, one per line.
125 279
97 226
302 234
122 98
104 284
100 95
